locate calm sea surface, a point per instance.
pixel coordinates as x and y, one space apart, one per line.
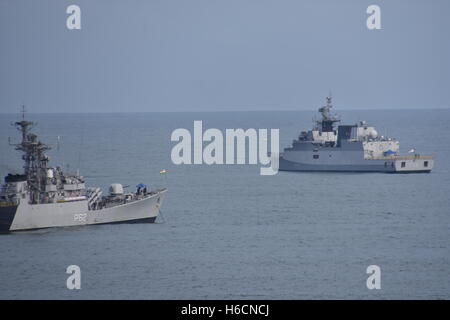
228 232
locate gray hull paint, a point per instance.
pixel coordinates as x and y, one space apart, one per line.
286 165
348 157
349 161
37 216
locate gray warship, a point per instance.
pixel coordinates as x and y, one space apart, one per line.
45 196
349 148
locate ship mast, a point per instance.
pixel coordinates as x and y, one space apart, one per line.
328 120
35 168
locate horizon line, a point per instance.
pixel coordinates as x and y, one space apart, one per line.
224 111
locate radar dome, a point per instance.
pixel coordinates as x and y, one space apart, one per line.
372 133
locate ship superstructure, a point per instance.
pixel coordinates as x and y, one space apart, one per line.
356 148
44 196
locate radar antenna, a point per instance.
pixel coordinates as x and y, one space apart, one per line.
34 156
327 118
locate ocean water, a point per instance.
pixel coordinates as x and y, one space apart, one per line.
228 233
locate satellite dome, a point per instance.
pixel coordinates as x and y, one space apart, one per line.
372 133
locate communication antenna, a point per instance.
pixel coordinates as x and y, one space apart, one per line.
80 159
24 110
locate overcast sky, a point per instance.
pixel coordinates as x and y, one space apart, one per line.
214 55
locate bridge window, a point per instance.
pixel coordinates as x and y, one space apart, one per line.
316 156
425 163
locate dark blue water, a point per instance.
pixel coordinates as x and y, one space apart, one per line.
230 233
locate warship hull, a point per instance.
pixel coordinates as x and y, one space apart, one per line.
349 148
355 163
25 216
